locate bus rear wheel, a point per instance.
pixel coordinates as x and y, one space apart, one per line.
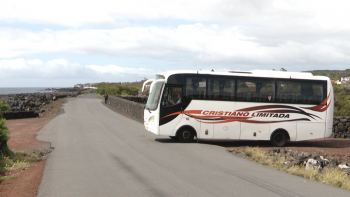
185 135
279 138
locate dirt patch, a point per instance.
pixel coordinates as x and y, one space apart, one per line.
23 133
27 182
22 138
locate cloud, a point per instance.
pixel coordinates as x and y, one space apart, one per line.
211 44
76 13
224 35
90 13
63 70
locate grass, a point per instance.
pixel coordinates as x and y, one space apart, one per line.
7 177
86 91
18 160
333 176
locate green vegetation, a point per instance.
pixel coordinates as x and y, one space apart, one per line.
10 160
7 177
332 74
118 89
87 91
334 176
4 150
341 101
18 160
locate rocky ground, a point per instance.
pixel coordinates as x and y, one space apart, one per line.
33 105
328 147
23 133
326 153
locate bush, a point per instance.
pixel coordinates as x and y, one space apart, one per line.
341 101
4 150
116 89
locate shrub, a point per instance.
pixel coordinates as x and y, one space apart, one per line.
4 150
341 101
116 89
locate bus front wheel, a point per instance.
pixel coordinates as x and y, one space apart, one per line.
279 138
185 135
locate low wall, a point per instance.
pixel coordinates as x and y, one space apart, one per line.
130 107
341 124
30 105
341 127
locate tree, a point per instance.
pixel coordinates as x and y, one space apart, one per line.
117 89
341 101
4 150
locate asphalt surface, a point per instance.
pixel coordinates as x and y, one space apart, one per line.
98 152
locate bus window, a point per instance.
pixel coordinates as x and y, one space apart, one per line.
221 89
288 92
255 90
318 93
195 88
303 92
171 96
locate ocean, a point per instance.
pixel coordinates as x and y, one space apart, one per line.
23 90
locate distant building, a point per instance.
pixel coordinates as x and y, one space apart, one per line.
342 81
346 79
78 85
85 86
89 86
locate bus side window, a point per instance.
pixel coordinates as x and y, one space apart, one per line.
221 88
256 90
176 95
288 92
302 92
171 96
195 88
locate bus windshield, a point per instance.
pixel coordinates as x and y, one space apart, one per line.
153 98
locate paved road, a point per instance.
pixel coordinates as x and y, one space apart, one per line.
101 153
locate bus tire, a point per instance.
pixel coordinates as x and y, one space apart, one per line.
279 138
185 135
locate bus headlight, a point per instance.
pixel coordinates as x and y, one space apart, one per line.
151 121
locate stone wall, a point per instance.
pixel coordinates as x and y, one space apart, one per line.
341 127
29 105
130 107
134 106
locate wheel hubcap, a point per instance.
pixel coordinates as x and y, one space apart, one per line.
279 138
186 134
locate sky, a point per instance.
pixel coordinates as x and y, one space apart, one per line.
50 43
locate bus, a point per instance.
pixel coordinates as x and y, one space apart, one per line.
276 106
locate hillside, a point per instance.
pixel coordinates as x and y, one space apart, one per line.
332 74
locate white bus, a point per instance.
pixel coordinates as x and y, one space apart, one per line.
257 105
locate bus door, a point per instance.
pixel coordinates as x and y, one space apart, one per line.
170 109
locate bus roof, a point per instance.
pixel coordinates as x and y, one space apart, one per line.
254 73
